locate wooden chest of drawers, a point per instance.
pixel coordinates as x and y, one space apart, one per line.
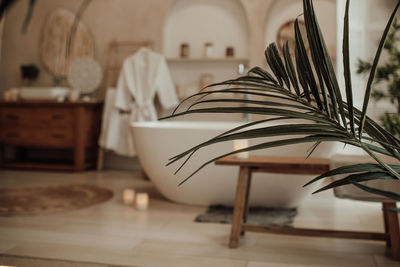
50 125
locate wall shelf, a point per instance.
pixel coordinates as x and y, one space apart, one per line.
208 60
225 26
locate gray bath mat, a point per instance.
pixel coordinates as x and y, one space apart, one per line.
257 215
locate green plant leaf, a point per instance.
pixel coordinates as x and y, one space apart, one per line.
270 131
253 102
254 110
316 55
356 168
274 66
308 139
388 194
346 63
304 69
394 210
382 163
74 27
273 52
290 68
28 16
5 5
244 126
264 74
357 178
237 90
327 65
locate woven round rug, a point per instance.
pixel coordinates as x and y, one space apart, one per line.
37 200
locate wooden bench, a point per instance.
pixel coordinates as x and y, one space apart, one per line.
292 165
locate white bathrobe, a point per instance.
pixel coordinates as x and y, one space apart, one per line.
143 75
115 127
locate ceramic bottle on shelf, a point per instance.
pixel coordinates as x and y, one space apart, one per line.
208 50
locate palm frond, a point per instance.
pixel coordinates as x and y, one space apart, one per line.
356 168
303 64
304 89
388 194
279 143
290 68
346 63
357 178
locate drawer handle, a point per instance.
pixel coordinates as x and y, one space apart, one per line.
58 136
12 117
12 135
58 117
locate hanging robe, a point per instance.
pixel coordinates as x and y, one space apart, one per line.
143 75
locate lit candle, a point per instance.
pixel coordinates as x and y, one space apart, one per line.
240 144
128 196
142 201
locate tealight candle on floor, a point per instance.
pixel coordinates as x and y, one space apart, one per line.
142 201
128 196
240 144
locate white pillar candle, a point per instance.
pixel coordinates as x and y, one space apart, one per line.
14 94
240 144
142 201
128 196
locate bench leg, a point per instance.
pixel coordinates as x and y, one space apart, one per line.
246 204
393 229
386 224
240 206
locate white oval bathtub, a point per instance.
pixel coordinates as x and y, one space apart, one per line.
156 142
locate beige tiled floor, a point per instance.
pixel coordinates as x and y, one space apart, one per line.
112 234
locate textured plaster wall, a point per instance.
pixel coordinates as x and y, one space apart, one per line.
116 19
107 20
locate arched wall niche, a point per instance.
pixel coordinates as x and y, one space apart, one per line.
282 11
196 22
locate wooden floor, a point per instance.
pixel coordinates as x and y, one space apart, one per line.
112 234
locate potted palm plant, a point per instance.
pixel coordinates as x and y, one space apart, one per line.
305 89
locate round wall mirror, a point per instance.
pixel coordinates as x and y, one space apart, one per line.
286 34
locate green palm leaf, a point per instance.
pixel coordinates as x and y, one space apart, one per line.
290 68
266 145
346 63
388 194
356 168
357 178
